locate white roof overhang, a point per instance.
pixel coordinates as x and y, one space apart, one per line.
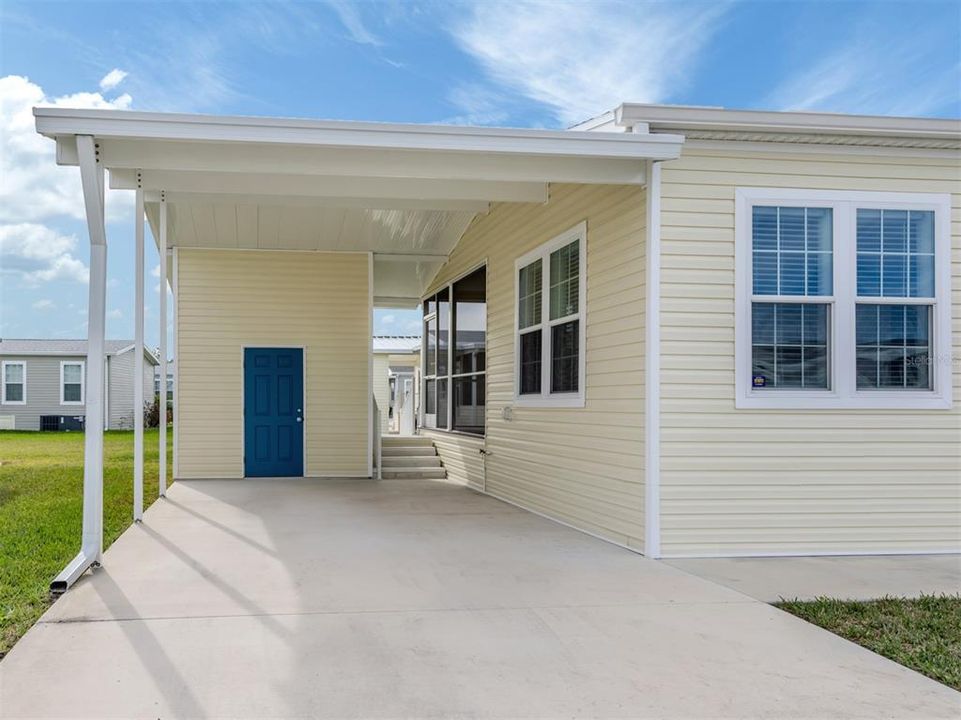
681 118
405 193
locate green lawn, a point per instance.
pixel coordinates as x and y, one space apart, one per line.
924 633
41 482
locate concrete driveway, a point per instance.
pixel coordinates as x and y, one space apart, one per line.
307 598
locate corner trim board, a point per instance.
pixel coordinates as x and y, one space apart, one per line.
652 369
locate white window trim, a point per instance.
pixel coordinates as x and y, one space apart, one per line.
842 366
3 382
83 381
547 399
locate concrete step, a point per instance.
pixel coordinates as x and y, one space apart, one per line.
408 473
414 451
402 461
406 441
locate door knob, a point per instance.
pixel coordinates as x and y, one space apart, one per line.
300 419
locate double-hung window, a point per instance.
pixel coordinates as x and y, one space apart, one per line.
549 302
71 382
14 382
843 299
455 355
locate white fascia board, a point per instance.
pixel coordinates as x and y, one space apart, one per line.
149 356
300 160
604 121
306 186
105 124
716 118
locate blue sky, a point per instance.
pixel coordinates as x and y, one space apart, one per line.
541 64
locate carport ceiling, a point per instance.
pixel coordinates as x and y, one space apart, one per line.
403 192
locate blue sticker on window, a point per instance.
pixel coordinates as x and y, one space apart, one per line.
759 381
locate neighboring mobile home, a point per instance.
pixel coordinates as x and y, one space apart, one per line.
689 331
396 376
43 384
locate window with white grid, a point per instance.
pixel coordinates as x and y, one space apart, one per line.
842 299
549 298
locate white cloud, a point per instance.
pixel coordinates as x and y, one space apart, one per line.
37 253
32 187
349 16
479 105
582 59
156 271
388 319
112 79
877 72
186 72
114 314
44 304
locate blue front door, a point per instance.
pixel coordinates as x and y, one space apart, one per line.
273 412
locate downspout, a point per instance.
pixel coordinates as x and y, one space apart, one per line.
652 367
91 546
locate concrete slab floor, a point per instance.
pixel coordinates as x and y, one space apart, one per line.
844 578
360 599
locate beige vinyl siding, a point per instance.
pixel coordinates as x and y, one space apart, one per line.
766 481
583 466
231 298
411 360
382 388
461 456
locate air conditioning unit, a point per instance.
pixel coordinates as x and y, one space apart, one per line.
61 423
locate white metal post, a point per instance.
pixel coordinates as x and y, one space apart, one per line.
175 354
138 399
91 549
163 345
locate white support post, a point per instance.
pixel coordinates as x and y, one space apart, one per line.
163 345
138 399
652 373
175 354
91 548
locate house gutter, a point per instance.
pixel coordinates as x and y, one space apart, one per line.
676 118
63 124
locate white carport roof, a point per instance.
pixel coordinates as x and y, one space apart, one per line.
406 193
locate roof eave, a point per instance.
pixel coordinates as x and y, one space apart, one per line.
715 118
60 122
